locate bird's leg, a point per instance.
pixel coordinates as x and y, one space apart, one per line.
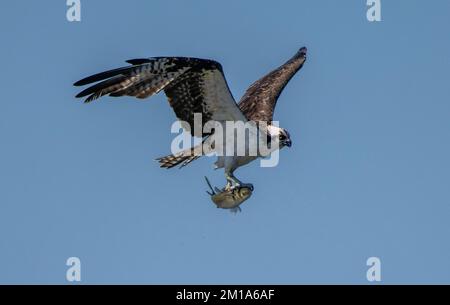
233 182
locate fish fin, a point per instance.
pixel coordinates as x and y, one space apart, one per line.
209 184
235 210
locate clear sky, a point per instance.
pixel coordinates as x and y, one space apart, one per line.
367 175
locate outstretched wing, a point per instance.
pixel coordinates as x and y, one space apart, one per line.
192 85
258 103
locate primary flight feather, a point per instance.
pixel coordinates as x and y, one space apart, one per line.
194 85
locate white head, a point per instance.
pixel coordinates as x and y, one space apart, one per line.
284 138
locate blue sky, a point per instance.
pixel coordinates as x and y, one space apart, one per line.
367 175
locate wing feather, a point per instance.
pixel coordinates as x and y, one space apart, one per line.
259 101
192 85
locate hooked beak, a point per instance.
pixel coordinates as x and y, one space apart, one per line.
288 143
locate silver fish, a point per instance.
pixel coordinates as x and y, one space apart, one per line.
229 198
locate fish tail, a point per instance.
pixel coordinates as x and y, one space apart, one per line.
209 184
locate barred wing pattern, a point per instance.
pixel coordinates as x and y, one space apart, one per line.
192 85
259 101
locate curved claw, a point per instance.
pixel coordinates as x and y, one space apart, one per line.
233 183
247 185
239 186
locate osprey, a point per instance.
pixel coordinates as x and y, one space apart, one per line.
194 85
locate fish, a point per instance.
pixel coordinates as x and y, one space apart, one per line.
229 198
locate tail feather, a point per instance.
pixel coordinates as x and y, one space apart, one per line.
186 156
183 158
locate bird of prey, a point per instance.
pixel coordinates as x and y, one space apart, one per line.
194 85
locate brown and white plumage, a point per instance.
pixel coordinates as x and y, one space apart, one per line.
194 85
259 101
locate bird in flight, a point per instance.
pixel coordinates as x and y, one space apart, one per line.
198 86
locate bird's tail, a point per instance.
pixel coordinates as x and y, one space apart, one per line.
182 158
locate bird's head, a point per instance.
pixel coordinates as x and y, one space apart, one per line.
283 136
